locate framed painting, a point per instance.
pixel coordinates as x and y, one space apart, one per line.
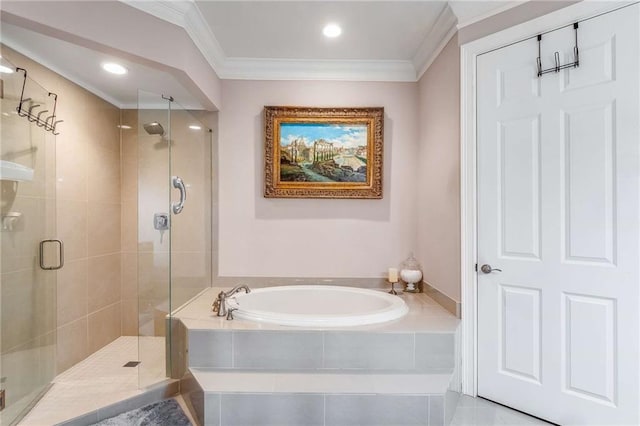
323 152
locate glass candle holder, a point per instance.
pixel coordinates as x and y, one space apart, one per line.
411 274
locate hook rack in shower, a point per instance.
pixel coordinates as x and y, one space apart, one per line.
556 56
49 123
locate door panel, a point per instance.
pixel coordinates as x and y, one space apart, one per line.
558 190
520 340
589 327
587 171
519 170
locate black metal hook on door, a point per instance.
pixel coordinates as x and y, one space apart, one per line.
556 56
49 123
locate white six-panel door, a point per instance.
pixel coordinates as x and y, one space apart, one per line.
558 213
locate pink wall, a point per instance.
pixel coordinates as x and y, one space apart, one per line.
439 173
310 237
524 12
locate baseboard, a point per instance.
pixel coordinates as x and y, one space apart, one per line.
443 300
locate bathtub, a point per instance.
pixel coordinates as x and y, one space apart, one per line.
317 306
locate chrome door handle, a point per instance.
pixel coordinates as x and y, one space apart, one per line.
60 256
179 184
487 269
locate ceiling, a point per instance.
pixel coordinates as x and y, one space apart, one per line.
293 30
381 41
83 66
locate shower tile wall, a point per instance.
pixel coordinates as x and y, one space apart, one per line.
129 220
89 308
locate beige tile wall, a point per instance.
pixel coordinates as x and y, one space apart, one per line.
129 218
88 168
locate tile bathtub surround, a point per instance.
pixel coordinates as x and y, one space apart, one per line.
425 316
319 410
277 350
396 373
423 340
321 350
277 398
377 410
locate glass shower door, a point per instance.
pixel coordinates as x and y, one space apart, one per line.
191 234
27 217
154 239
174 225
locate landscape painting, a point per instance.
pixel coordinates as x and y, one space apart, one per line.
323 152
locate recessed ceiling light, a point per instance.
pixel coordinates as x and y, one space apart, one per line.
332 30
5 70
195 127
114 68
124 126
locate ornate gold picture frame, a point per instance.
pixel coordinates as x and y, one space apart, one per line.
323 152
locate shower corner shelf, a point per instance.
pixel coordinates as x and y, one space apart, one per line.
15 172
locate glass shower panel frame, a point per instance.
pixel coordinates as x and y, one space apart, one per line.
154 238
191 233
174 248
28 312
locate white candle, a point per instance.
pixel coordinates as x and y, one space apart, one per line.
393 275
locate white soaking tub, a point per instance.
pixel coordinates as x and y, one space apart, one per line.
317 306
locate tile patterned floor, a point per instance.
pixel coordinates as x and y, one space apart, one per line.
97 381
480 412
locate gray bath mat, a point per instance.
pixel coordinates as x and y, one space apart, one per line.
163 413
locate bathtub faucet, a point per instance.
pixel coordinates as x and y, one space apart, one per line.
237 289
220 304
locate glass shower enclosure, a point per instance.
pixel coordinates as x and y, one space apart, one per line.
174 156
28 260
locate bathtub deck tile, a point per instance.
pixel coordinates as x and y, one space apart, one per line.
218 381
425 316
376 410
210 349
434 350
371 351
273 350
272 409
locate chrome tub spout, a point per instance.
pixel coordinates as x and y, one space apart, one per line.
237 289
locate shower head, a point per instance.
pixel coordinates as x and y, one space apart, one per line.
154 128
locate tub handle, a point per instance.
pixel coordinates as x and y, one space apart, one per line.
230 313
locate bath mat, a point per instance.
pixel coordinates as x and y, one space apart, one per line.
163 413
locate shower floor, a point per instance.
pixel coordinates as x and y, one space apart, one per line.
100 380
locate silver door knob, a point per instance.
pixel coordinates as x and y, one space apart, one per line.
487 269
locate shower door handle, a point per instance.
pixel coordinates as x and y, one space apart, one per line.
179 184
60 255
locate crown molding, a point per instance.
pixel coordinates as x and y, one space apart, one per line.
186 14
290 69
167 10
198 29
442 31
490 13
